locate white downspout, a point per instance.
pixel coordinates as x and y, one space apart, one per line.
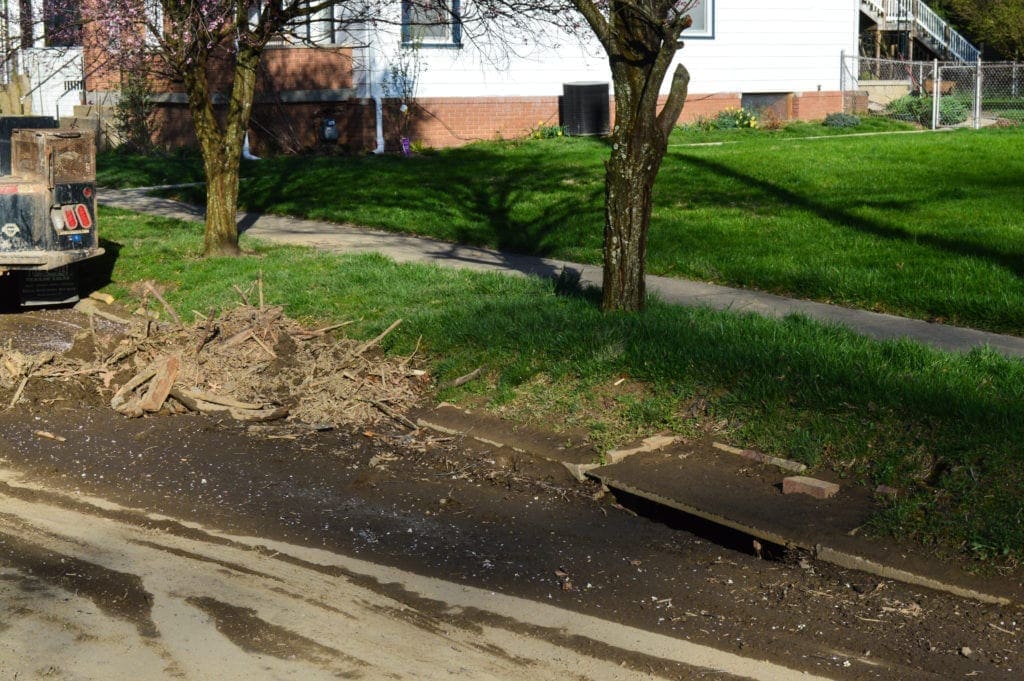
378 102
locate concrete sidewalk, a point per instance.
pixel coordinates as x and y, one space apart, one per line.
404 248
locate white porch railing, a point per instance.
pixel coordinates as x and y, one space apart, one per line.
919 15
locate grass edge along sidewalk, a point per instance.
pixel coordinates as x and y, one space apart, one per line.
944 428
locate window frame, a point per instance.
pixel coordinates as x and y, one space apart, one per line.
454 39
707 8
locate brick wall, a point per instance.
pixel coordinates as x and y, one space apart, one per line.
291 127
813 106
283 69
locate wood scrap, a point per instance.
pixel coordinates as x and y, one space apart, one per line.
463 380
89 307
398 417
49 436
194 404
238 338
316 333
167 306
160 385
220 399
241 293
370 343
34 364
123 402
258 415
102 297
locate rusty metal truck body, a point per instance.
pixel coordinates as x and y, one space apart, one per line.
48 202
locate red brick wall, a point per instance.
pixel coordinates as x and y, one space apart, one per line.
447 122
436 122
813 106
283 68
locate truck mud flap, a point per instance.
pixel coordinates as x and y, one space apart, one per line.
48 287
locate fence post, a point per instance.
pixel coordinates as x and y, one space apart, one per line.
977 96
936 92
1013 83
842 78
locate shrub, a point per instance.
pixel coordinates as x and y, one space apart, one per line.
841 120
730 118
771 120
133 114
952 110
543 131
702 123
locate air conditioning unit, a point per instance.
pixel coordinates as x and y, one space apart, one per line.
585 108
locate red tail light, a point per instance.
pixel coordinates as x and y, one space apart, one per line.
70 221
84 219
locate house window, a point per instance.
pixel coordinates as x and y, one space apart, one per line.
62 23
316 28
433 23
703 15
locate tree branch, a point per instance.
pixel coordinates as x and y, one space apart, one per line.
676 99
598 22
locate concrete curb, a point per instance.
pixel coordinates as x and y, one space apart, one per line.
580 462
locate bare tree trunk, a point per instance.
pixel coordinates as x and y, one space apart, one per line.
639 143
221 202
629 180
220 140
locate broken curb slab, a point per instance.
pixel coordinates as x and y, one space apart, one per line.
755 455
801 484
727 491
569 450
649 444
710 482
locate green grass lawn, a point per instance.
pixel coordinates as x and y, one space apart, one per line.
944 428
924 225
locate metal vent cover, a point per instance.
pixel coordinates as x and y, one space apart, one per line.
585 108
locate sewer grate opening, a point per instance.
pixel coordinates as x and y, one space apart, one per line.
717 533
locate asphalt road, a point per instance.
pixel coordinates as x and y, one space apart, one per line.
91 590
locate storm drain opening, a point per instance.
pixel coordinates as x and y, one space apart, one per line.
709 530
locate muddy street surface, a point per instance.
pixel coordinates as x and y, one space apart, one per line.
190 547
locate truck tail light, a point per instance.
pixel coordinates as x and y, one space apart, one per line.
70 221
84 219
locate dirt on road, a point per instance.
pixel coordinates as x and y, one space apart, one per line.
485 517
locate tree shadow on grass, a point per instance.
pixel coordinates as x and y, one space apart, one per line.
473 197
1012 262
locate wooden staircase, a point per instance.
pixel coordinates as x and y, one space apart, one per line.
922 24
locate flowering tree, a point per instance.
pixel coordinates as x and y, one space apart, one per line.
188 41
641 38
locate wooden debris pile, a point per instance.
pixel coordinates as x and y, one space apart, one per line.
251 363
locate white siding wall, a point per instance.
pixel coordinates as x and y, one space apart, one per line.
783 46
55 74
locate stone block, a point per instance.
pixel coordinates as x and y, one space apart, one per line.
819 489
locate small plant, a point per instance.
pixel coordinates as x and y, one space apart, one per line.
545 131
841 120
133 113
771 120
421 149
731 118
919 110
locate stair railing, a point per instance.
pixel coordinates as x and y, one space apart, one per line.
922 16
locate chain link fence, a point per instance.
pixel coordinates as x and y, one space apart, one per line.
935 94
